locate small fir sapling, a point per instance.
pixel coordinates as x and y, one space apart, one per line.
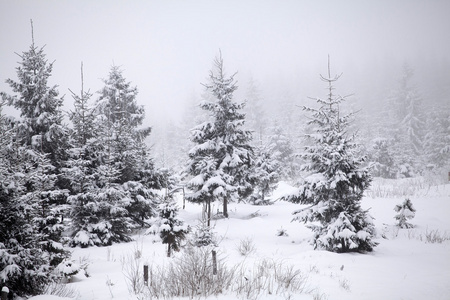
406 211
171 229
68 268
204 236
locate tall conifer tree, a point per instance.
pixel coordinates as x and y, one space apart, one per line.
36 154
122 118
222 157
336 182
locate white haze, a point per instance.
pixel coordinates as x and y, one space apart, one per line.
166 48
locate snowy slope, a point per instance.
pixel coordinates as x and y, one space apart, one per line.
404 265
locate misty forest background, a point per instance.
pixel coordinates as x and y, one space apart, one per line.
98 165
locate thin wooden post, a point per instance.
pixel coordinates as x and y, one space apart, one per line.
5 292
146 274
214 261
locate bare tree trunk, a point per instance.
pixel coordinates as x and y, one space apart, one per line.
146 274
225 207
208 204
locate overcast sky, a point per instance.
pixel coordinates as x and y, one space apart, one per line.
166 48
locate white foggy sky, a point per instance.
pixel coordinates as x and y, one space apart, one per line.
166 48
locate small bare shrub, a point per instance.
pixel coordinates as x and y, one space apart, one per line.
412 234
282 232
254 215
435 236
318 296
343 283
190 275
268 277
246 246
61 290
407 187
110 284
313 269
131 270
84 262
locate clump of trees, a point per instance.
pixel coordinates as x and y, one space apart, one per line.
413 137
98 172
114 177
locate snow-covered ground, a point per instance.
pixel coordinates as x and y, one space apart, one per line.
405 265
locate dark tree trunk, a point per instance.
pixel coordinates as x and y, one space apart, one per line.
225 207
168 249
208 207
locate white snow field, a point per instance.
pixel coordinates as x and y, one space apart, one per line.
407 263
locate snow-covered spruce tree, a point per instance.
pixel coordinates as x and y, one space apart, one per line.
122 117
336 181
40 138
41 196
117 103
170 227
381 157
283 112
18 246
254 112
408 126
406 212
283 153
24 265
222 157
108 220
413 111
29 242
81 171
82 153
437 138
265 169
